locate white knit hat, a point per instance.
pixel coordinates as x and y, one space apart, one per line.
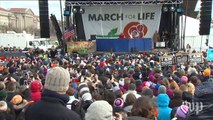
57 79
99 110
3 106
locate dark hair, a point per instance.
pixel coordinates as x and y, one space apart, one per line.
118 93
177 94
97 96
109 96
143 107
130 99
11 86
194 80
25 93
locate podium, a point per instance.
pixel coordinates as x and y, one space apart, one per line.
123 45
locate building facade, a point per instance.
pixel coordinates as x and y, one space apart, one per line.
19 18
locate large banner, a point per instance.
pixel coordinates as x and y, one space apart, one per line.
131 21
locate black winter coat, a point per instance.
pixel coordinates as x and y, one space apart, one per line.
203 103
52 106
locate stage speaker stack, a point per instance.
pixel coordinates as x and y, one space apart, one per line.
44 19
205 17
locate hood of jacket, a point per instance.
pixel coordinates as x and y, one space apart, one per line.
163 100
35 86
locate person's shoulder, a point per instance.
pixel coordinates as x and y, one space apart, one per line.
136 118
73 115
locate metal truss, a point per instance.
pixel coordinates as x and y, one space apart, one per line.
130 2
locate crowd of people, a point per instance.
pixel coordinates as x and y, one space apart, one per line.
103 87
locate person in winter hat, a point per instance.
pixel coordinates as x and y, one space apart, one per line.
162 90
118 105
182 112
163 107
184 80
99 110
3 110
3 106
84 92
17 99
203 98
11 113
132 90
53 101
207 72
35 87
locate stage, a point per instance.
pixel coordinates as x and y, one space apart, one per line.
123 45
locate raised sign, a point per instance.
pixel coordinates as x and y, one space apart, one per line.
195 58
182 59
166 60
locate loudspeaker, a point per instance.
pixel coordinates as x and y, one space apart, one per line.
93 37
44 19
205 17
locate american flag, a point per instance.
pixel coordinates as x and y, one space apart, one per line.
69 33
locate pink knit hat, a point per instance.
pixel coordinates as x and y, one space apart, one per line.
170 93
184 79
118 103
182 111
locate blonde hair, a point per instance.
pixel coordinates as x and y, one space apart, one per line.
191 88
174 86
184 88
166 83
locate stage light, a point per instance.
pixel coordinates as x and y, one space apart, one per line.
67 13
81 11
74 10
180 10
165 9
172 9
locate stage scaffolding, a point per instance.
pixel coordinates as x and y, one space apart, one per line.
70 4
130 2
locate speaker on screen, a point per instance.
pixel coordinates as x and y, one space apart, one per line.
44 19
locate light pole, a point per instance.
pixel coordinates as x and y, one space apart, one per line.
62 20
62 27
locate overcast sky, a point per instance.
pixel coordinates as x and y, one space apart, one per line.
54 5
